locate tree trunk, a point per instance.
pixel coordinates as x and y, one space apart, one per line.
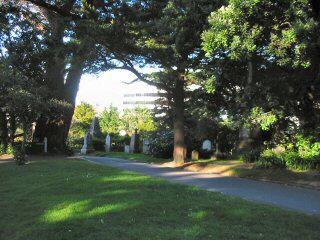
57 133
12 128
64 89
245 140
179 152
3 129
250 73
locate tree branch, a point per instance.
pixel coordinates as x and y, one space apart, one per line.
64 12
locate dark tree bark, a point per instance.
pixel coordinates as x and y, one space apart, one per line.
12 128
63 88
309 114
3 128
57 132
179 152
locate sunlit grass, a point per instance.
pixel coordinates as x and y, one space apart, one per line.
73 199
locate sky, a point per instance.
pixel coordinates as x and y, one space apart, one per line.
108 88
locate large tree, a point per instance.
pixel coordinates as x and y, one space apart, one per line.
170 40
69 29
279 43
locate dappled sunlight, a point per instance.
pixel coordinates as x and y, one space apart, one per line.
84 209
66 211
125 178
95 202
117 192
198 215
115 207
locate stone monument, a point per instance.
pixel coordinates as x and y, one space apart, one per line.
245 140
134 143
87 144
45 144
194 155
207 145
127 148
108 143
145 148
95 129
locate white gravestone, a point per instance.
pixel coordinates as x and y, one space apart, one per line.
87 144
145 148
207 145
45 143
108 143
127 148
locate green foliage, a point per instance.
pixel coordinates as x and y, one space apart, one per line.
98 144
19 157
269 159
118 142
289 159
82 119
139 117
10 149
263 119
161 144
2 149
308 147
84 114
241 30
251 155
110 121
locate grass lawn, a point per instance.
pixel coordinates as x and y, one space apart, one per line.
73 199
131 156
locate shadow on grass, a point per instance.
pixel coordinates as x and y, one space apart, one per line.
77 200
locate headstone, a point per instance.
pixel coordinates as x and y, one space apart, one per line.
45 143
134 143
194 155
145 148
95 129
207 145
245 141
244 133
108 143
87 144
217 147
127 148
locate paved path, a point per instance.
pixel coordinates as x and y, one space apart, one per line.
303 200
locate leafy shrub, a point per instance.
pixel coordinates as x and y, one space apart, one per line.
19 157
118 142
75 143
34 148
10 149
2 149
98 144
308 147
205 154
291 159
161 144
295 161
269 159
252 155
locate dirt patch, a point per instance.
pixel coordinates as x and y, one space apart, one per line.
6 157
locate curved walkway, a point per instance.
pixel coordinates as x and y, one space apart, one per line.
299 199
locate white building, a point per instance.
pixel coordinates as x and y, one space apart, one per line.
132 100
